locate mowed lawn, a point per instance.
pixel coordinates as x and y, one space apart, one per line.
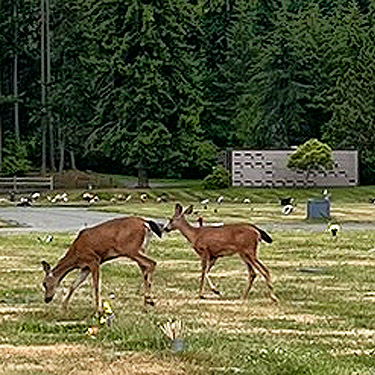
341 212
323 324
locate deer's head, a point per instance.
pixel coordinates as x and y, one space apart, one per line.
49 282
178 217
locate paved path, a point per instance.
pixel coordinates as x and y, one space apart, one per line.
61 219
43 219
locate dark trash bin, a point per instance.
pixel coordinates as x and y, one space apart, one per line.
318 209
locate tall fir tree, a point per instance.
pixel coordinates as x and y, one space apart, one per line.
351 96
153 111
216 117
273 111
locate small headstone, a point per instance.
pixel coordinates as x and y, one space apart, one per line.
142 175
318 209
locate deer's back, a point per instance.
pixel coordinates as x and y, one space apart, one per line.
226 239
111 239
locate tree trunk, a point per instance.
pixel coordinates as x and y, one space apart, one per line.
72 159
43 84
62 150
1 140
15 79
48 89
1 118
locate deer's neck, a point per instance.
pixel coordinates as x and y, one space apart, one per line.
64 266
188 231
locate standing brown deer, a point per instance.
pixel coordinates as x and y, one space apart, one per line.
211 243
115 238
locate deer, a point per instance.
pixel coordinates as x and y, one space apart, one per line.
213 242
122 237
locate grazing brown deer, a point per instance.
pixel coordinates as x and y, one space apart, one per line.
115 238
212 243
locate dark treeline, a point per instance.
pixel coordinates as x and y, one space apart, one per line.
106 84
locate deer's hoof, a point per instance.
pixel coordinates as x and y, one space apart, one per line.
149 301
274 298
216 292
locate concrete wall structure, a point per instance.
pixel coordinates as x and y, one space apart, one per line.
253 168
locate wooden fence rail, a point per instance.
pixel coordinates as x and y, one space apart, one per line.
25 184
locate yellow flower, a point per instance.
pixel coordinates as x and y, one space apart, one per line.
107 308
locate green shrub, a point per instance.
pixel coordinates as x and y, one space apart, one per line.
105 195
15 161
311 156
206 158
218 179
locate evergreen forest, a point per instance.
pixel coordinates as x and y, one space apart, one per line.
107 84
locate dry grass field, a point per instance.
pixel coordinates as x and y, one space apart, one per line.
323 324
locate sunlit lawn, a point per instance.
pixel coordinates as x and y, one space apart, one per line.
324 323
253 212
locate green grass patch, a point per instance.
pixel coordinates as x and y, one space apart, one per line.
324 323
253 212
190 191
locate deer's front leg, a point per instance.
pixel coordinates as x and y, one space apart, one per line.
95 285
211 262
205 265
82 275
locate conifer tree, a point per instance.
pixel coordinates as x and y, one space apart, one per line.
351 96
153 110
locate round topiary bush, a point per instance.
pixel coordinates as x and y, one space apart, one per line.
218 179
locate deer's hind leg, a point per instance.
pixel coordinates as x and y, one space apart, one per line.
145 244
251 277
264 271
147 266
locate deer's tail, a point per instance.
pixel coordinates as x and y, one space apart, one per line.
154 227
263 235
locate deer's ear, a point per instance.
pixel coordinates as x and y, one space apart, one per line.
177 209
188 210
46 267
